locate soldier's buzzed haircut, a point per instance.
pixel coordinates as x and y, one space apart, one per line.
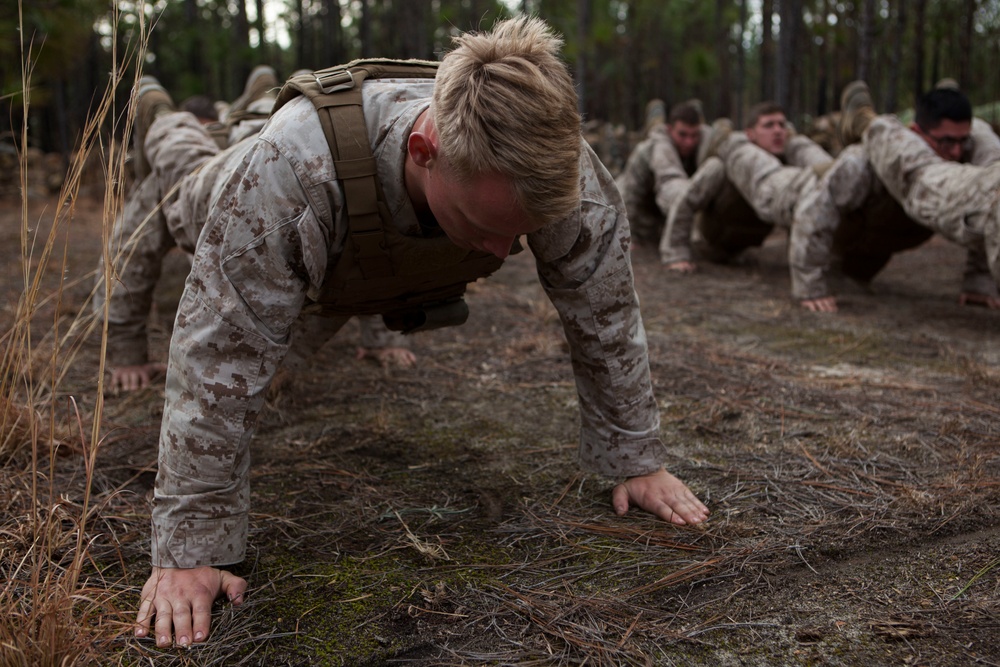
688 112
504 103
942 104
765 108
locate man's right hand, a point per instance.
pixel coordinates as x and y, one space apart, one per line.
824 304
130 378
975 299
682 267
181 600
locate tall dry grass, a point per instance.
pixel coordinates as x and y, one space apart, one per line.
56 605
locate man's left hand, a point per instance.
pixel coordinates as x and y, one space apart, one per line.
661 494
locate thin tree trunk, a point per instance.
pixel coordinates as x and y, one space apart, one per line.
791 16
240 43
583 48
741 68
723 100
262 51
965 46
866 36
767 51
919 46
899 34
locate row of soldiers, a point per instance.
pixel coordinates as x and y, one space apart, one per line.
707 193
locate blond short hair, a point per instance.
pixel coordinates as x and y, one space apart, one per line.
504 103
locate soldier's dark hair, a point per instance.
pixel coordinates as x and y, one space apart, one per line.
201 106
688 112
765 108
941 104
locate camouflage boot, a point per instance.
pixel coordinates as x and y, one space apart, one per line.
152 101
258 96
857 112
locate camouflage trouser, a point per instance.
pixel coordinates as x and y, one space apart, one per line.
959 201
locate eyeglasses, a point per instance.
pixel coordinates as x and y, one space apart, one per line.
949 143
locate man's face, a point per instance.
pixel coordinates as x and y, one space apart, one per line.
685 137
478 215
770 132
949 139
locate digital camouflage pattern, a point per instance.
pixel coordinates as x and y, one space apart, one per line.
850 188
271 230
771 186
654 177
959 201
160 215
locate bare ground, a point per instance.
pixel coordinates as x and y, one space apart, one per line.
437 516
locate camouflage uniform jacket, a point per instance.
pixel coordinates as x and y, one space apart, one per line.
654 177
770 185
264 251
850 184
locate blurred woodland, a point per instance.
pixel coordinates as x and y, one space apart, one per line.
728 53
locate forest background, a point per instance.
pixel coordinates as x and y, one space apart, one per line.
728 53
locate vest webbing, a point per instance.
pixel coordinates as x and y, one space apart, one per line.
408 280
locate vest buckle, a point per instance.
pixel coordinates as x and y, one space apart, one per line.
330 81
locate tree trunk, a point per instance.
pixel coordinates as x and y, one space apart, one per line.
240 44
583 48
333 44
739 84
791 16
723 101
767 51
965 46
262 51
866 36
919 46
896 61
365 29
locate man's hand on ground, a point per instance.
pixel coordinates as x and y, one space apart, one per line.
824 304
131 378
975 299
661 494
181 600
386 356
682 267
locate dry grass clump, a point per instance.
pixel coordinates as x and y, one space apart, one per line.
56 606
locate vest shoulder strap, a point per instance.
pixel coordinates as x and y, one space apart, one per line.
335 92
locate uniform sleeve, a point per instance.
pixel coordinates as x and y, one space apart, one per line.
704 186
139 242
254 265
843 188
985 144
669 178
584 266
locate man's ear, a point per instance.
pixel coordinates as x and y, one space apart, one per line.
422 149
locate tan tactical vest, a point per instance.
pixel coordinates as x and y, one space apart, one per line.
414 283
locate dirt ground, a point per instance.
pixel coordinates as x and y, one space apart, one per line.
437 515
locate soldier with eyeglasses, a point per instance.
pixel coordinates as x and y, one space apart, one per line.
866 206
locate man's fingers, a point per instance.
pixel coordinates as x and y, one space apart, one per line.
143 618
182 623
233 587
201 620
164 624
619 499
